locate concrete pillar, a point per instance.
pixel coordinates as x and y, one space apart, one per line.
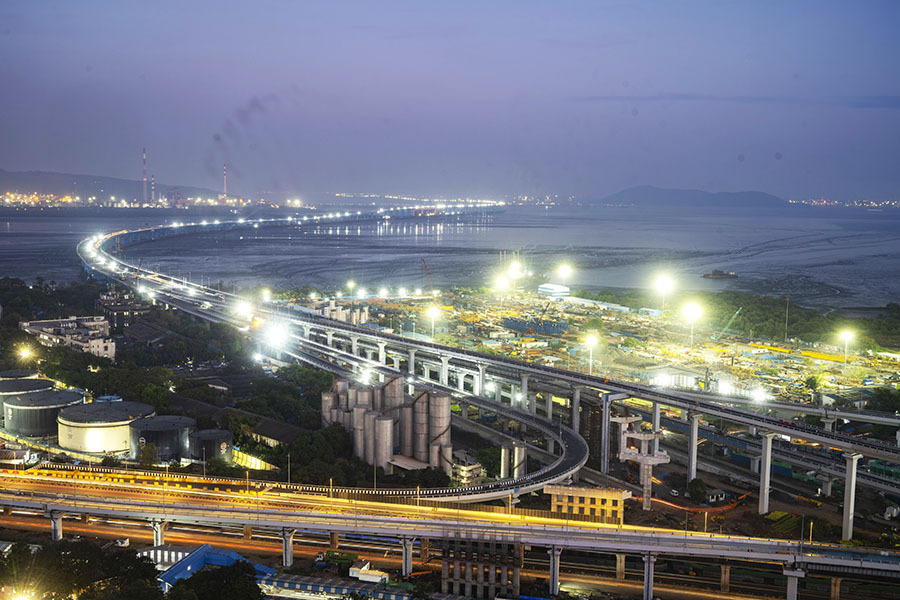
407 553
835 589
554 553
382 352
479 381
56 530
725 578
396 360
287 547
248 532
411 365
354 345
334 540
849 495
655 424
828 423
498 393
649 560
793 581
445 370
551 445
576 408
898 437
424 550
692 446
504 462
647 486
765 472
620 566
329 338
826 486
519 458
159 531
604 434
752 430
464 410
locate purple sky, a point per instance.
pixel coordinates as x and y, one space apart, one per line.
800 99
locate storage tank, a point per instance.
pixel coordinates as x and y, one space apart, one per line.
34 415
18 374
207 444
109 398
170 434
384 442
20 387
99 427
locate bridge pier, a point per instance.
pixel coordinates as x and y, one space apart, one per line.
248 532
334 540
504 462
479 381
765 472
649 560
519 459
159 531
551 445
692 446
445 370
407 554
793 582
523 389
725 578
575 408
354 345
287 547
849 495
329 338
554 553
56 530
828 423
396 360
411 363
655 426
620 567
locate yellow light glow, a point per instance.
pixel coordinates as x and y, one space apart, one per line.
846 335
691 311
663 284
25 352
591 340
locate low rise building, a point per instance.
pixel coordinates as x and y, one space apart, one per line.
121 308
86 334
606 503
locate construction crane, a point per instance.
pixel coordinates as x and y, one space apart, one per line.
427 277
137 272
716 336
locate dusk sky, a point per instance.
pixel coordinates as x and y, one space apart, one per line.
799 99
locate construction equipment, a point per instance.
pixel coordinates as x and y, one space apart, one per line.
716 336
137 272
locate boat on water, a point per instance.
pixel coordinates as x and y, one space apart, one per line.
717 274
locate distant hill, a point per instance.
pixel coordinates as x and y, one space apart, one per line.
647 195
45 182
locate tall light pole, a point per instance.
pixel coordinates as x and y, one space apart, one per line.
433 313
663 284
846 335
591 341
563 271
692 312
501 284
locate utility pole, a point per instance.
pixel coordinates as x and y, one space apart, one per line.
787 308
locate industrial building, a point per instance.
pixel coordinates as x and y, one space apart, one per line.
383 418
169 434
87 334
208 444
34 415
606 503
99 427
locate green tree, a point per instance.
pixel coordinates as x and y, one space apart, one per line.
697 491
235 582
147 455
490 460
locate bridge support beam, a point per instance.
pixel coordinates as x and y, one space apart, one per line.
354 345
382 353
329 338
655 425
527 403
725 578
620 567
445 370
411 362
793 582
575 408
159 531
56 530
504 462
649 561
287 547
479 381
835 589
406 545
692 446
765 472
849 495
554 553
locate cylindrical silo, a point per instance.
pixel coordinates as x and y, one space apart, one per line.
335 415
327 405
420 428
384 441
519 458
393 394
369 434
35 414
359 428
342 400
341 386
208 444
378 399
99 427
352 394
434 455
19 387
439 419
347 420
364 398
169 434
406 430
447 459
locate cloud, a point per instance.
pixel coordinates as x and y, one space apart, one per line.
886 102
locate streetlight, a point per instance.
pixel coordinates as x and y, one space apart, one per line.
564 271
350 285
433 312
25 353
846 335
663 284
501 284
591 341
692 311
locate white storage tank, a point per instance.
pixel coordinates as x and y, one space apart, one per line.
99 427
